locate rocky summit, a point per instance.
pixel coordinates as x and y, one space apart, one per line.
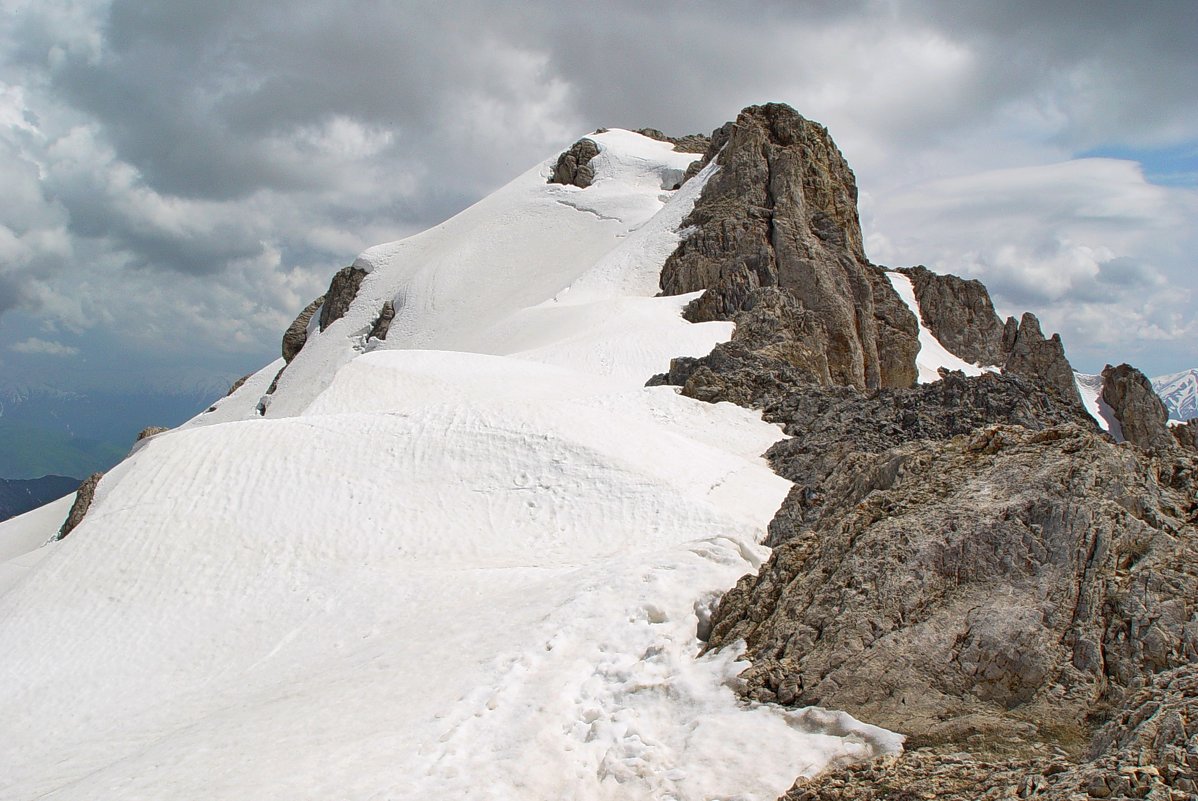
494 519
970 562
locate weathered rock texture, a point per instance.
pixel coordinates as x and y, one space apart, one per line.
150 431
1005 584
236 385
960 314
342 291
827 427
1142 416
296 334
382 323
969 562
83 502
691 143
573 167
1186 434
1147 751
782 212
1029 354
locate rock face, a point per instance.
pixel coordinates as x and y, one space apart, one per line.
781 212
297 333
1145 752
960 314
573 167
382 323
1186 435
83 502
1142 415
691 143
970 562
825 428
342 291
1003 586
1029 354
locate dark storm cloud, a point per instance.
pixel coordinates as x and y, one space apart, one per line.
251 148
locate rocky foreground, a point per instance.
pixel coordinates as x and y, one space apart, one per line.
972 562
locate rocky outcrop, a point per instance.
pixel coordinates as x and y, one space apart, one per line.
825 428
1142 416
1186 434
342 291
382 323
83 501
1144 752
573 167
150 431
1005 584
960 314
236 385
1030 355
296 334
781 212
691 143
776 347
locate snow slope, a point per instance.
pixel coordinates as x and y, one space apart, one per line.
1179 391
932 355
468 562
1090 389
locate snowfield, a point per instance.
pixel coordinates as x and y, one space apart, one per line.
471 561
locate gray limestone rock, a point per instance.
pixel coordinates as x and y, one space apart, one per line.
573 167
691 143
1142 416
342 291
1146 751
296 334
1006 583
382 323
1030 355
83 501
826 427
1186 434
236 385
960 314
781 211
150 431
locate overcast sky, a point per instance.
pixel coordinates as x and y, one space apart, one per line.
181 177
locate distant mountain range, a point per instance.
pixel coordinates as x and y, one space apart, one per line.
1179 391
18 496
48 431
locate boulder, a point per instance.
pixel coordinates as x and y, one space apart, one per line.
573 167
1142 416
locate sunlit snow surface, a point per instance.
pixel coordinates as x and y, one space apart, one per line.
468 562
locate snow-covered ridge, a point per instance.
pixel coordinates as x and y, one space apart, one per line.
467 562
1179 392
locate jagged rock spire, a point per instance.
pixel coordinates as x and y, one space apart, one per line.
782 211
